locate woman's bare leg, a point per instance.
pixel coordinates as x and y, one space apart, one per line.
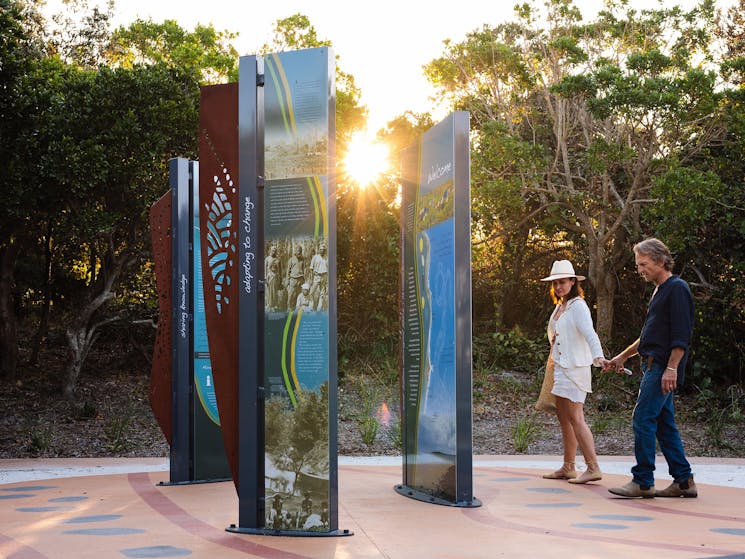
569 442
576 417
568 435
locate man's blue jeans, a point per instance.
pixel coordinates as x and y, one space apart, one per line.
654 420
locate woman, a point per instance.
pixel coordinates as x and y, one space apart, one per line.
574 347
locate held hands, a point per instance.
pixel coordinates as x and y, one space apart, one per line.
615 364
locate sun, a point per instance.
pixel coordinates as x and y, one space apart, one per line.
366 159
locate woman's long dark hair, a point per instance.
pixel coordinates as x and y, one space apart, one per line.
575 291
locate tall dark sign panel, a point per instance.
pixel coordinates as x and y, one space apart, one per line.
286 276
300 292
436 316
181 449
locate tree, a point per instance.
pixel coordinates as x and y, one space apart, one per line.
309 433
79 35
87 149
574 121
296 32
368 252
701 214
205 49
143 116
21 49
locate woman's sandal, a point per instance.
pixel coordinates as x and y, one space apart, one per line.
592 473
567 471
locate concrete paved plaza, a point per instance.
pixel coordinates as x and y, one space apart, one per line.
113 508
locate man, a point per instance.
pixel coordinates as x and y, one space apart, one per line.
663 346
272 280
295 277
319 266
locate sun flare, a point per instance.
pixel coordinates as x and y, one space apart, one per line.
366 159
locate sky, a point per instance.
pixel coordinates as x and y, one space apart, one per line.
382 43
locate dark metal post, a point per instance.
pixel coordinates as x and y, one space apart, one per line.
251 298
463 357
180 456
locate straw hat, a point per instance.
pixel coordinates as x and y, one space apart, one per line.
562 269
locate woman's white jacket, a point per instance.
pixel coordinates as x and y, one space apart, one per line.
575 344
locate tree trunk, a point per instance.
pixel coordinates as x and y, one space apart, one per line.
514 248
8 319
605 288
80 341
605 298
41 331
81 334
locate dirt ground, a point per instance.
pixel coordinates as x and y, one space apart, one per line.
111 416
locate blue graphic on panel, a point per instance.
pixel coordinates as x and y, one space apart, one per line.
200 324
221 243
437 415
311 354
206 388
203 380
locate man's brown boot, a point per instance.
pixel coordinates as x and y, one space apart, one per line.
633 489
686 489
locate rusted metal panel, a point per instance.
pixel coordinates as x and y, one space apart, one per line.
218 200
161 373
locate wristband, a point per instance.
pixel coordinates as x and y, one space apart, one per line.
671 369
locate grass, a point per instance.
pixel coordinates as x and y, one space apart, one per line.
524 431
40 439
369 427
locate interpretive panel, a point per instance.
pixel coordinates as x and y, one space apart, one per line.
209 461
299 296
436 313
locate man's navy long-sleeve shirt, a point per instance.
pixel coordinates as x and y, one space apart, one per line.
669 324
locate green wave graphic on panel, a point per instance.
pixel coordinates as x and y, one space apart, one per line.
322 203
206 407
284 95
316 209
285 372
293 345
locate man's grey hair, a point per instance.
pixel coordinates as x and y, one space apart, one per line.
657 251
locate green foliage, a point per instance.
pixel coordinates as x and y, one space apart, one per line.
510 350
369 427
394 433
204 50
703 220
524 432
509 385
277 425
117 429
721 409
367 275
627 84
85 159
366 417
40 439
294 32
80 34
